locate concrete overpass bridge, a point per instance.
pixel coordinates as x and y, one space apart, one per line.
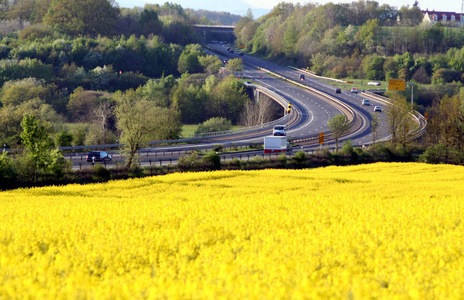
216 32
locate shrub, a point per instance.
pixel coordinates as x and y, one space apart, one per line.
100 173
282 160
7 171
212 161
300 159
213 125
188 163
442 154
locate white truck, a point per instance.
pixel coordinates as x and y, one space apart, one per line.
274 144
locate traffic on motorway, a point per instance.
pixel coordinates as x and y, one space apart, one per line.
314 102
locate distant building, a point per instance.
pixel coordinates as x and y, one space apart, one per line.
446 17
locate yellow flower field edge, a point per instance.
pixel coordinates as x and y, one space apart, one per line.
367 231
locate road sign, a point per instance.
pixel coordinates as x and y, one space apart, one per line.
321 138
397 84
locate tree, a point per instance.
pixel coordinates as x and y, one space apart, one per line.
375 126
188 60
87 17
211 64
140 122
234 65
259 112
38 143
339 125
400 120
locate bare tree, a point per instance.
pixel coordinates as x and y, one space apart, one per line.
100 116
259 112
375 126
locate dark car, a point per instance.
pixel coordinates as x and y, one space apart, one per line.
98 156
240 53
338 91
302 77
231 51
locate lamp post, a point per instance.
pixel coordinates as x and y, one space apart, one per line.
412 91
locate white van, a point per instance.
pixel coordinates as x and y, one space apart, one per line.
279 130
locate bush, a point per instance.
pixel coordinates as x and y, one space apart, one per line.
347 148
442 154
100 173
212 161
300 159
7 171
188 163
282 160
214 125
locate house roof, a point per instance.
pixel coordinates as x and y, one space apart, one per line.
441 14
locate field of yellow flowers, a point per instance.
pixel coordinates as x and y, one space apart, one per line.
367 231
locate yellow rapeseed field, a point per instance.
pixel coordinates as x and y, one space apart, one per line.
359 232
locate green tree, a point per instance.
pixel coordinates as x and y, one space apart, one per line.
87 17
188 60
140 122
234 65
38 144
339 125
211 64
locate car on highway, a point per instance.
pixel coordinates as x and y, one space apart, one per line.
377 109
338 91
279 130
98 156
354 90
302 77
231 51
375 83
366 102
240 53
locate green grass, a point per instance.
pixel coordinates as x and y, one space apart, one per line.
189 130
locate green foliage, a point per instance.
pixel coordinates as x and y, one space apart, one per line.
141 122
7 171
188 163
87 17
63 139
42 161
213 125
347 148
100 173
189 59
442 154
212 161
339 125
300 159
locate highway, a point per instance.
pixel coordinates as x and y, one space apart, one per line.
318 109
313 112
